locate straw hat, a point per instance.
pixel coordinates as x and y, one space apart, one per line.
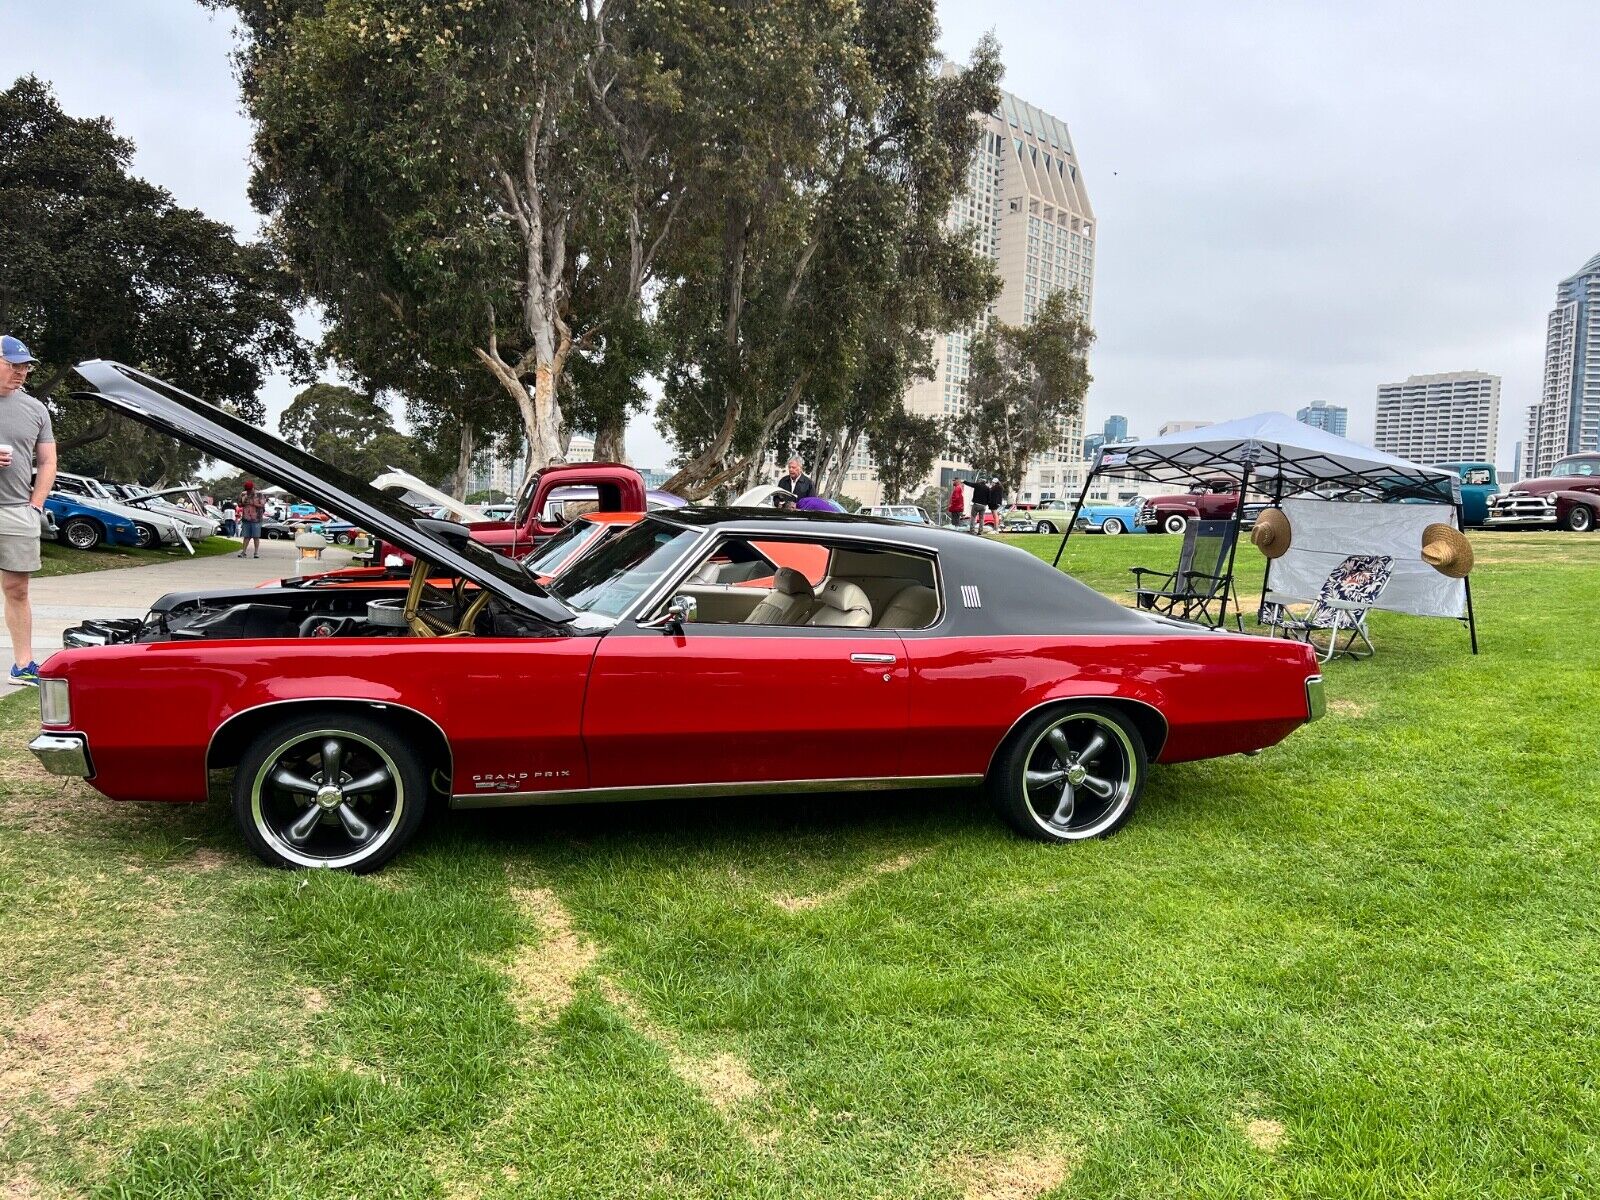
1271 533
1446 550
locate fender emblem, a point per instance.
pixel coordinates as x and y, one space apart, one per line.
510 781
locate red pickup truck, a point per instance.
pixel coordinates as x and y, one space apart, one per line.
1213 499
548 501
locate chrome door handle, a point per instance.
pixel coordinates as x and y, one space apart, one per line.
884 659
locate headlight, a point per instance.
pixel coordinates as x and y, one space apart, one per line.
55 705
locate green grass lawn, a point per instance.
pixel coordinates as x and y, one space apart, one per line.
61 559
1361 964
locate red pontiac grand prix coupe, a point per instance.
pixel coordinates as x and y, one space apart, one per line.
919 658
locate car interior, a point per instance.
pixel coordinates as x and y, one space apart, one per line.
780 583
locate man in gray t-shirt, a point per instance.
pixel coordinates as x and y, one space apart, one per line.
27 472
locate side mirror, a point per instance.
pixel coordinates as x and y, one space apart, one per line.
680 611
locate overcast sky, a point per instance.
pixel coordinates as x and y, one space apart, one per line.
1296 201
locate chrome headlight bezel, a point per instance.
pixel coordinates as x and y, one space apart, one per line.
55 702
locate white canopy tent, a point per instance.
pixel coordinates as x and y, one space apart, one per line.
1281 458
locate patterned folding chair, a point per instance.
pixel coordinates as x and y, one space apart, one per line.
1341 607
1193 592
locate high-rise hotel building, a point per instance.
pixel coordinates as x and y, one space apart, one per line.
1567 417
1429 419
1026 208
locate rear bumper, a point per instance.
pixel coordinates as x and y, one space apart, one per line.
63 754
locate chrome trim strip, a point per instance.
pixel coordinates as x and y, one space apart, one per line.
766 787
63 754
1152 751
449 767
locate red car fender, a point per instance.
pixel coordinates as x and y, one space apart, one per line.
1566 501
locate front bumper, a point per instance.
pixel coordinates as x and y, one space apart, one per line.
1316 698
63 754
1522 521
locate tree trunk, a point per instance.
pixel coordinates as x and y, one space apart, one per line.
611 438
458 482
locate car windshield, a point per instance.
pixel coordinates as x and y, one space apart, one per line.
1576 466
617 573
560 549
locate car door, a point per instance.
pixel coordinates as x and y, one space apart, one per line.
737 703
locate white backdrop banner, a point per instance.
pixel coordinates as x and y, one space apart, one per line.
1325 532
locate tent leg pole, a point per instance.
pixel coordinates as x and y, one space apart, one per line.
1233 550
1073 519
1472 621
1266 571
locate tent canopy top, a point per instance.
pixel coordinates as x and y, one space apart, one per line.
1282 456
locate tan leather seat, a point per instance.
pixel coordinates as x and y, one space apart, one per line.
788 603
912 607
842 604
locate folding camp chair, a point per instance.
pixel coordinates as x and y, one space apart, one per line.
1347 595
1195 591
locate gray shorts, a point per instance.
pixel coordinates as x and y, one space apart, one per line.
19 539
250 529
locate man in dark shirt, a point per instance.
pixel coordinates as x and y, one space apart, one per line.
980 501
796 482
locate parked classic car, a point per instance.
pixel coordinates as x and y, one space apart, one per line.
1109 518
83 524
1047 516
922 658
150 528
1567 498
1479 487
1211 500
911 514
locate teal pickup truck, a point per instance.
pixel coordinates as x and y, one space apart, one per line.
1478 483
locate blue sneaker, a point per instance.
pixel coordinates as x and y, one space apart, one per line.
27 676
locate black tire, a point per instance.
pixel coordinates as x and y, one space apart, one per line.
1043 527
1580 519
149 539
1174 523
81 533
277 821
1037 749
1111 526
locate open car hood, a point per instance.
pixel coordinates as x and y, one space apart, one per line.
207 428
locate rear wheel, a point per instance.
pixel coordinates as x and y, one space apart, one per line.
1111 527
1175 523
1069 774
147 535
81 533
1580 519
1043 527
336 790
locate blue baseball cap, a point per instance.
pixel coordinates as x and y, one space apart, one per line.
13 351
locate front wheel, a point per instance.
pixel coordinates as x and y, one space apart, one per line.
337 790
1069 774
81 533
1175 523
1580 519
1111 527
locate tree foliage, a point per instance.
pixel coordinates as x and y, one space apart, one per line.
350 430
101 264
904 446
482 185
1025 380
825 261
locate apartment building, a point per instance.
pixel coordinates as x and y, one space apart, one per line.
1451 417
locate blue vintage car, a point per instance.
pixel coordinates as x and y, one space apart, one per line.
1110 519
81 524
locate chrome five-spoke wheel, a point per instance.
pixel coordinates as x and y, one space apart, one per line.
341 793
1070 774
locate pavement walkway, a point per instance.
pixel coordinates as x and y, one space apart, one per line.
61 601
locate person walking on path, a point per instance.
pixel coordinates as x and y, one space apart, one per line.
957 507
230 519
250 508
27 472
980 501
796 482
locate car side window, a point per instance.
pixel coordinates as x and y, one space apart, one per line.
811 584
